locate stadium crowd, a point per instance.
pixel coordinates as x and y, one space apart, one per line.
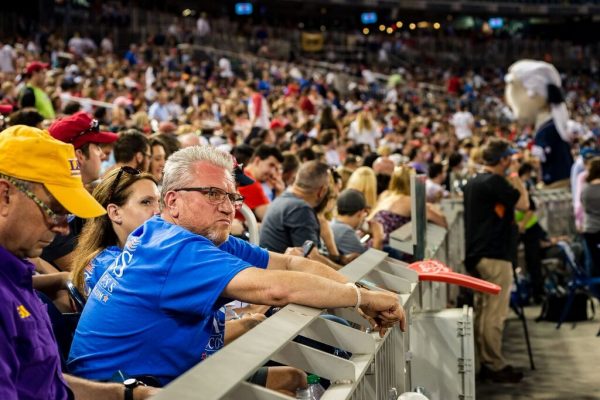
169 145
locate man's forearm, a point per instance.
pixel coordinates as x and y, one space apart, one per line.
377 243
84 389
316 268
523 202
50 283
279 288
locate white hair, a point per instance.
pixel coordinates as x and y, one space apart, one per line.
177 172
535 76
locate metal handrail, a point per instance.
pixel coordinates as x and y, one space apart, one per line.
251 224
376 364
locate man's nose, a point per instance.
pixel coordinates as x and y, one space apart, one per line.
227 206
61 229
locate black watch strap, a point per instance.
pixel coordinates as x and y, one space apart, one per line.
128 393
131 384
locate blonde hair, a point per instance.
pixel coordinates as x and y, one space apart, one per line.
364 121
365 181
97 233
400 180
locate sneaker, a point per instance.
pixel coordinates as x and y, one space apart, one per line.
506 375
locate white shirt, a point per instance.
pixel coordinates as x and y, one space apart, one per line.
432 190
262 119
462 122
365 136
225 68
7 57
333 157
106 45
202 27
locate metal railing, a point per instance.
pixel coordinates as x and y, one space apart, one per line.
376 364
554 209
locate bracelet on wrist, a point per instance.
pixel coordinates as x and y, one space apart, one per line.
358 295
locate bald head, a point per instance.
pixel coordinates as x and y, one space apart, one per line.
189 140
384 165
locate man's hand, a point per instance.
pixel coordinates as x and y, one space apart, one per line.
376 229
276 182
382 310
294 251
251 320
144 392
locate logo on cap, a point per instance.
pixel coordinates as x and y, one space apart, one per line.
23 312
74 166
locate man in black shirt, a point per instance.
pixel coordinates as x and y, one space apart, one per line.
490 200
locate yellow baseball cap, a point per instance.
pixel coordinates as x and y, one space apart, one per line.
33 155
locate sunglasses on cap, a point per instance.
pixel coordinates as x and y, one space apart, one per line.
94 127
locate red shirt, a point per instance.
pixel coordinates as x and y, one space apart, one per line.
254 195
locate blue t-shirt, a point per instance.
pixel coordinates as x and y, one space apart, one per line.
96 267
155 311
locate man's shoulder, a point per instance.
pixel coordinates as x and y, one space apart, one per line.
485 177
288 202
339 227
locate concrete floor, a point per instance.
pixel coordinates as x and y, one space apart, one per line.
567 361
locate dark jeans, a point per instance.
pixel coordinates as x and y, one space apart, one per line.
593 243
533 258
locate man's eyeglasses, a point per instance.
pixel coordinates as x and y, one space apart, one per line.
115 184
216 196
56 219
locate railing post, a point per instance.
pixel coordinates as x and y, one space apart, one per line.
418 215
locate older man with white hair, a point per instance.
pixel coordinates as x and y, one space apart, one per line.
155 311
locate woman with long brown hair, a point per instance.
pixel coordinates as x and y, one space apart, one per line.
130 198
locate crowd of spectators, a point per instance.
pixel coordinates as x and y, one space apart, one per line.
313 160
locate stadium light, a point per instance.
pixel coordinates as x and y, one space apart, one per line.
390 30
412 26
437 25
382 27
365 31
423 24
399 24
187 12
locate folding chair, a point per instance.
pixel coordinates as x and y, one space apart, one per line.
580 280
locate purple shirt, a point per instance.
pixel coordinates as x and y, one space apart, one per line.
29 360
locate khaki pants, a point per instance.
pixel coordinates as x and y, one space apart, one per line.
491 312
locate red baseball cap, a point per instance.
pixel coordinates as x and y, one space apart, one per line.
35 66
276 124
5 109
79 129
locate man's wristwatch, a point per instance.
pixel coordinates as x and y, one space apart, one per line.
131 384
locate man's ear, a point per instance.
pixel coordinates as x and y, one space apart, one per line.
4 197
114 213
80 156
139 158
171 205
